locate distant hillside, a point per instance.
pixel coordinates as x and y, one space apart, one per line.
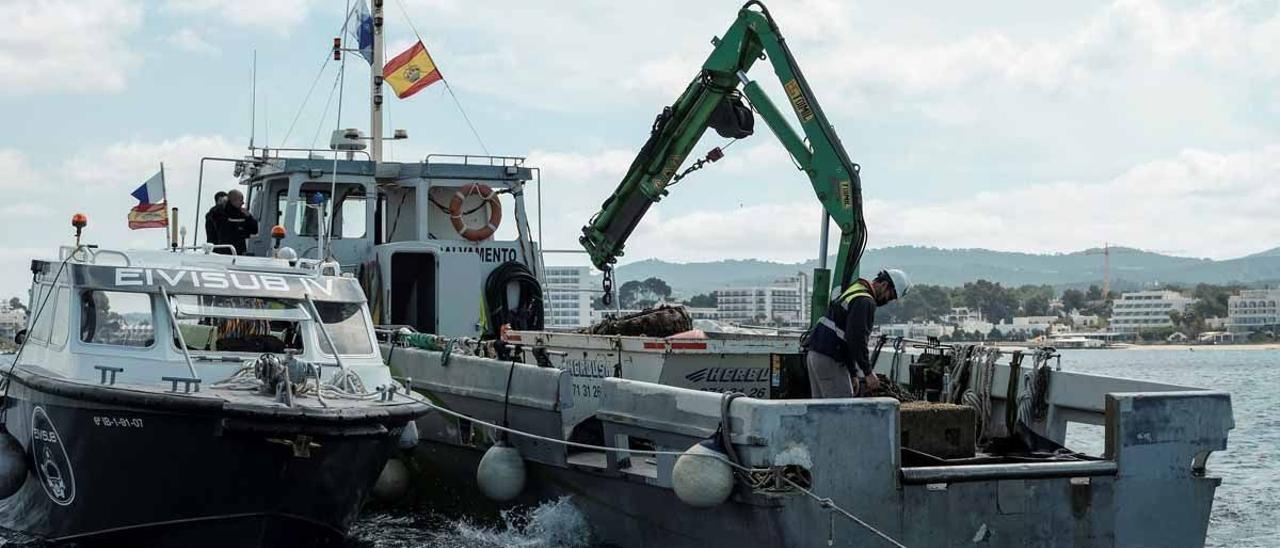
1129 268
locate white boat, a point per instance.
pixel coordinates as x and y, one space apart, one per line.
183 398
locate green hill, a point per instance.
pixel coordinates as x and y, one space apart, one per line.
1130 268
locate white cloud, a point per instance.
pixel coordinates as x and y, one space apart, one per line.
97 183
279 16
606 166
25 210
123 166
1198 203
189 40
67 45
15 170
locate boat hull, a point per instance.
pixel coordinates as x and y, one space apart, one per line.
136 475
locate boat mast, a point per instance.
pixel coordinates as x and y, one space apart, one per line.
375 98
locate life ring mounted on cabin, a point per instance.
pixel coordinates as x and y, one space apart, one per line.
490 199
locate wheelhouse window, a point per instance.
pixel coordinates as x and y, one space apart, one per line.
51 327
116 318
239 324
348 222
346 325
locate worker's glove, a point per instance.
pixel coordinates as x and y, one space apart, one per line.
867 385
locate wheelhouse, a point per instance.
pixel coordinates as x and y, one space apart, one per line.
422 238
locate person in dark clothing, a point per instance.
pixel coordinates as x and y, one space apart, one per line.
234 223
211 228
837 356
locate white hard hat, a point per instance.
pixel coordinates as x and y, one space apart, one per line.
901 283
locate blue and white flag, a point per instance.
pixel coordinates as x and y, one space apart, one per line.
361 29
152 191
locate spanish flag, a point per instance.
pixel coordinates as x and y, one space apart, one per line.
151 211
149 216
411 71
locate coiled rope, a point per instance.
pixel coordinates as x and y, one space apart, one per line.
977 393
346 384
1033 403
822 501
895 364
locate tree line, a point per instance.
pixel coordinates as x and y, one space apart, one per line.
997 302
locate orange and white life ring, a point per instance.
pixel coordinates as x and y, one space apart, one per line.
490 199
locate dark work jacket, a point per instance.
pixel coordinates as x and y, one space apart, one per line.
211 225
233 226
852 314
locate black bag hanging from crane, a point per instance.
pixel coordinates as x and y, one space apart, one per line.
731 119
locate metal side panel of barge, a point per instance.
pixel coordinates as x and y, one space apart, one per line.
1151 489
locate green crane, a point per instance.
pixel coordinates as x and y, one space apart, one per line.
713 100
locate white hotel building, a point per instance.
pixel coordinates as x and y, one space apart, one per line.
1146 310
785 301
567 293
1253 310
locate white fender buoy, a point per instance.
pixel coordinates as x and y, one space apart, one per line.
393 482
501 472
13 464
701 478
409 436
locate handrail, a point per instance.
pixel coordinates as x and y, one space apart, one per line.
211 248
516 161
991 472
295 149
90 254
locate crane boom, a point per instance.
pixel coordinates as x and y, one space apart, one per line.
710 101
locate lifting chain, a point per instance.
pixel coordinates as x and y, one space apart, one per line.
607 286
713 155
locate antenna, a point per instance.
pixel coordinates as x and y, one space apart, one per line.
253 100
1106 271
326 236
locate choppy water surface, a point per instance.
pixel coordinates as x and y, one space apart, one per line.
1246 511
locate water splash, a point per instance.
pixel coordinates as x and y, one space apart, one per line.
553 524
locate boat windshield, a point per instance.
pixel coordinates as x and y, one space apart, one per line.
259 324
346 325
239 324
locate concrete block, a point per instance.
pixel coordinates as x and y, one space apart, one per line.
940 429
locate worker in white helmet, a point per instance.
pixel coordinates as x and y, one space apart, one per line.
837 356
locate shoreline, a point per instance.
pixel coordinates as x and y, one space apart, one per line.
1243 346
1170 347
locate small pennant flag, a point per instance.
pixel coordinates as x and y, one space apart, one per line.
411 71
361 29
152 209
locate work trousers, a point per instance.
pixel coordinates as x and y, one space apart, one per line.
828 378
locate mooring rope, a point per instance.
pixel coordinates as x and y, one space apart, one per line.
822 501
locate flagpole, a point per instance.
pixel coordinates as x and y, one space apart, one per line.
165 192
375 97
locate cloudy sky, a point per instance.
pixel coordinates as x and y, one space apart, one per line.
1013 125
